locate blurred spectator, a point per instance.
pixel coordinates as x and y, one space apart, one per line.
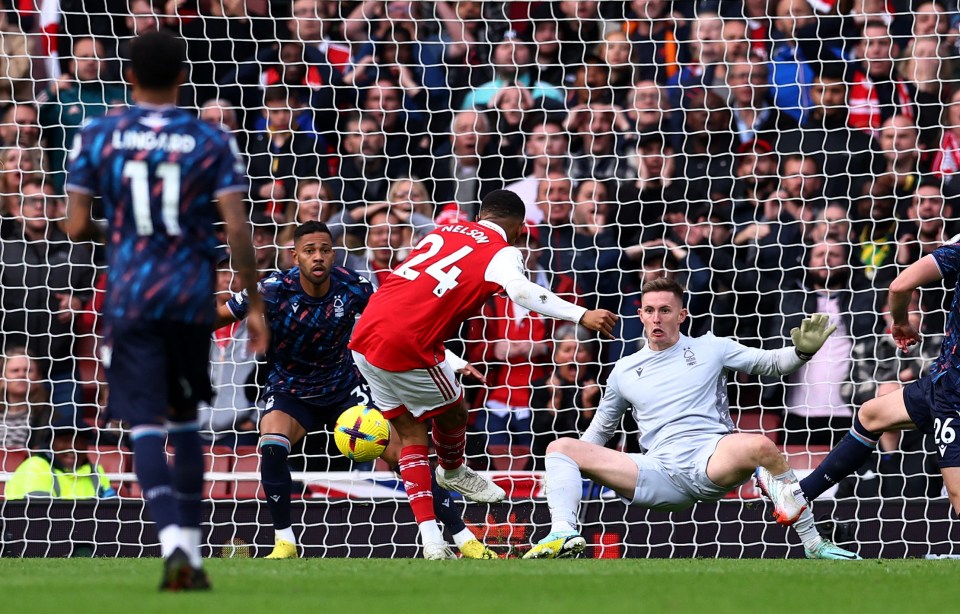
24 399
386 102
17 166
220 113
849 157
876 227
832 225
654 40
580 27
564 401
19 126
511 62
931 18
373 22
511 106
547 147
597 148
291 65
755 172
470 170
409 199
16 83
230 418
387 241
880 91
140 18
817 412
946 161
315 23
899 145
283 151
615 51
801 187
546 45
44 281
707 141
645 108
755 113
211 62
65 472
77 96
590 83
365 167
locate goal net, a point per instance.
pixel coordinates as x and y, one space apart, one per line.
777 158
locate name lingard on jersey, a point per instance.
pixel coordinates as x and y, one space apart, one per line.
477 235
141 140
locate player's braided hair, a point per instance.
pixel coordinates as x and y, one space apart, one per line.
157 59
504 205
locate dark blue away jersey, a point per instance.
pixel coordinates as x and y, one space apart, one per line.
948 260
159 171
308 355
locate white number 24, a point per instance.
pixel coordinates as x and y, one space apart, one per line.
138 173
443 270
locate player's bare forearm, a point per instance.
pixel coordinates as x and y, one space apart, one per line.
918 274
241 246
80 225
225 317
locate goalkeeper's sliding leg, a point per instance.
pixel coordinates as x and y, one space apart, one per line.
703 468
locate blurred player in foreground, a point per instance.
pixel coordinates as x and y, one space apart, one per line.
398 344
166 180
311 310
676 386
929 404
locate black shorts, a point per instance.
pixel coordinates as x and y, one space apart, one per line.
156 370
314 414
933 404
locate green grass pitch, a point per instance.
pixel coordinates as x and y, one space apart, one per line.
585 586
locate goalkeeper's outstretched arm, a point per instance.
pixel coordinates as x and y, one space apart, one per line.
808 338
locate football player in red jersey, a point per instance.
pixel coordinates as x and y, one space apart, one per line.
398 344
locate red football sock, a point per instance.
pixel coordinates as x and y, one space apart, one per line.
415 471
450 445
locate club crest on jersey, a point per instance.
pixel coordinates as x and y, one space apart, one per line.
338 307
690 357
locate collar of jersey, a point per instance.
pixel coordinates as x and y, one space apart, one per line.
495 227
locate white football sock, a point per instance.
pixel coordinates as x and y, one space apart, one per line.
564 490
169 540
190 542
463 537
285 534
430 533
807 530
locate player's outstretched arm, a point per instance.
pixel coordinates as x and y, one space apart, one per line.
80 225
918 274
241 250
812 333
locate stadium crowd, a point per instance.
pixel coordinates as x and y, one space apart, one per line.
778 157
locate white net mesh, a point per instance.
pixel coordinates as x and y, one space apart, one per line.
778 158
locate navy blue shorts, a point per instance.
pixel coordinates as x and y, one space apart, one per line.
933 404
313 414
156 370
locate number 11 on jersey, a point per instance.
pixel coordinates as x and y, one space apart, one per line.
138 172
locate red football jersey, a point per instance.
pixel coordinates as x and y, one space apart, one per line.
425 300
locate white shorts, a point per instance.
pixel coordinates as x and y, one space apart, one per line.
675 477
422 392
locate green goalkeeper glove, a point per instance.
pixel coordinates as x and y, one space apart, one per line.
811 335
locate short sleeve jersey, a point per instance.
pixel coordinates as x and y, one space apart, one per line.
159 171
424 301
308 355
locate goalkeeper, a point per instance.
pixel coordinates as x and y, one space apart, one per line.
676 387
311 376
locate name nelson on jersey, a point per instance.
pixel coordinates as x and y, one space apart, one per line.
474 233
